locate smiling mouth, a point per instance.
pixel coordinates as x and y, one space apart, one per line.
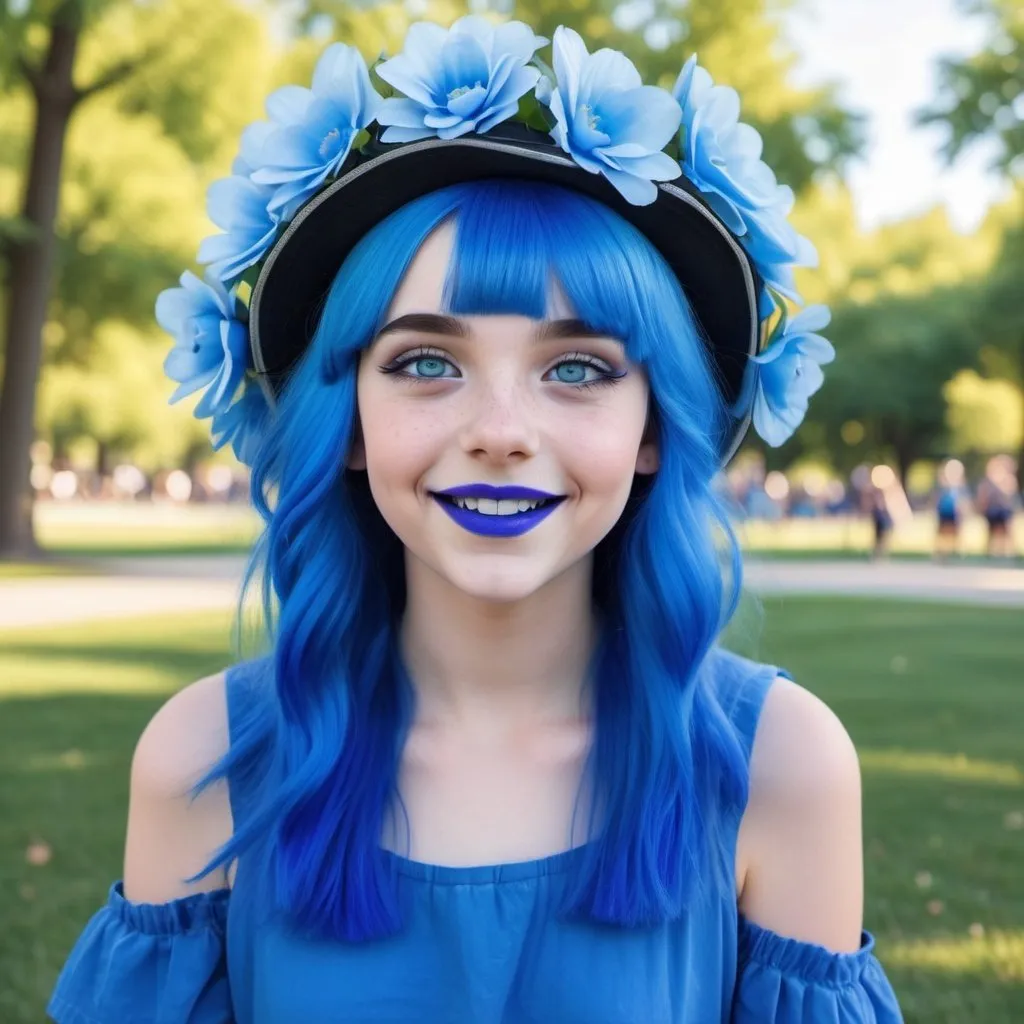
497 517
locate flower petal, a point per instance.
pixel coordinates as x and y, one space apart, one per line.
638 191
288 105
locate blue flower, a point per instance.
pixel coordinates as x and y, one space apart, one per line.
239 207
722 157
467 79
782 379
243 424
607 120
211 346
775 247
310 131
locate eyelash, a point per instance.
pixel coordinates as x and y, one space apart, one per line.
397 368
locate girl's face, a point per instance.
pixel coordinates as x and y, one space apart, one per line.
472 405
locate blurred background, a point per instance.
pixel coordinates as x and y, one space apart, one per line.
885 541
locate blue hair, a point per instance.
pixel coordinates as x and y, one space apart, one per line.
668 770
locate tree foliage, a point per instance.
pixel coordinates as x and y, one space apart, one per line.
981 96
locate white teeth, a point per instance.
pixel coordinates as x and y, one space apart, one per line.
492 507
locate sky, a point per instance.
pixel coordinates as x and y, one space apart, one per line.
883 53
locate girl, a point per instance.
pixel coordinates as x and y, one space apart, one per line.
495 767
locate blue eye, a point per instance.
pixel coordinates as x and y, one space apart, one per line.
582 371
421 366
428 366
572 372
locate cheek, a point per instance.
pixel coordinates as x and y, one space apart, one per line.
398 446
602 448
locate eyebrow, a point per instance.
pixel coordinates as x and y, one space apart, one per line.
453 327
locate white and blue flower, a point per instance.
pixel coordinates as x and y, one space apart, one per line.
211 347
467 79
238 206
310 131
782 378
607 120
722 157
242 425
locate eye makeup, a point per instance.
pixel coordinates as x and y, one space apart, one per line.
398 367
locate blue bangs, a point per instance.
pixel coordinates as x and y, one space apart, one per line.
667 769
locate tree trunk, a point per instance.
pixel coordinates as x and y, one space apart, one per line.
29 280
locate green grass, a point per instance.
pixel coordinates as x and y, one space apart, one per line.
932 695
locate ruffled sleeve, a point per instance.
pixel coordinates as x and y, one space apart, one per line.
783 981
148 963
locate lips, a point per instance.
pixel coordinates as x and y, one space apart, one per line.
453 501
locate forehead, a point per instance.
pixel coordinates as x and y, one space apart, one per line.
422 288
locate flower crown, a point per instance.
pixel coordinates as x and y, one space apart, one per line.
470 78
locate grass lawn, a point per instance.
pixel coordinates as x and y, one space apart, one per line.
933 696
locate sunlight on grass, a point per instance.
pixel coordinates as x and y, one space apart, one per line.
953 767
67 760
994 954
55 675
123 657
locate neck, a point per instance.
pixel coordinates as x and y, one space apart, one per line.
471 661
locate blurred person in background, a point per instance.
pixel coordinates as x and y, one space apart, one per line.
998 498
881 522
950 507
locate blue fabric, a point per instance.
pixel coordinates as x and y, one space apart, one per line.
144 962
482 947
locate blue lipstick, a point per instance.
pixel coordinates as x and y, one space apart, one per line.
491 525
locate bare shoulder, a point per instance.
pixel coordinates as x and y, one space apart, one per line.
801 749
185 736
800 839
170 836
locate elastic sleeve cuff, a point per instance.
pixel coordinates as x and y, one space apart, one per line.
148 963
785 981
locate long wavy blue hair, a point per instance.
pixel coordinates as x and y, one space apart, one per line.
667 770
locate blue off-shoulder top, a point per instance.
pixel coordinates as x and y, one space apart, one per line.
483 945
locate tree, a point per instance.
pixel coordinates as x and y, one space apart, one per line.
982 98
181 65
884 394
979 96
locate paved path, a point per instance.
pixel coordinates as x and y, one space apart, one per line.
150 586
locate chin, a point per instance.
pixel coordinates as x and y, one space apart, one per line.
497 584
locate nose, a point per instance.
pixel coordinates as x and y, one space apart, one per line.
501 423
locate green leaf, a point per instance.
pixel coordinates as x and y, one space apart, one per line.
534 114
384 88
545 70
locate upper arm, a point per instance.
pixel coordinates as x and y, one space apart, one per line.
801 832
170 836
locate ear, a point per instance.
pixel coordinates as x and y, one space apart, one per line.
357 450
647 458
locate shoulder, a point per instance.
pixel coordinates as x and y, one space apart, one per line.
800 837
801 751
171 835
184 738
